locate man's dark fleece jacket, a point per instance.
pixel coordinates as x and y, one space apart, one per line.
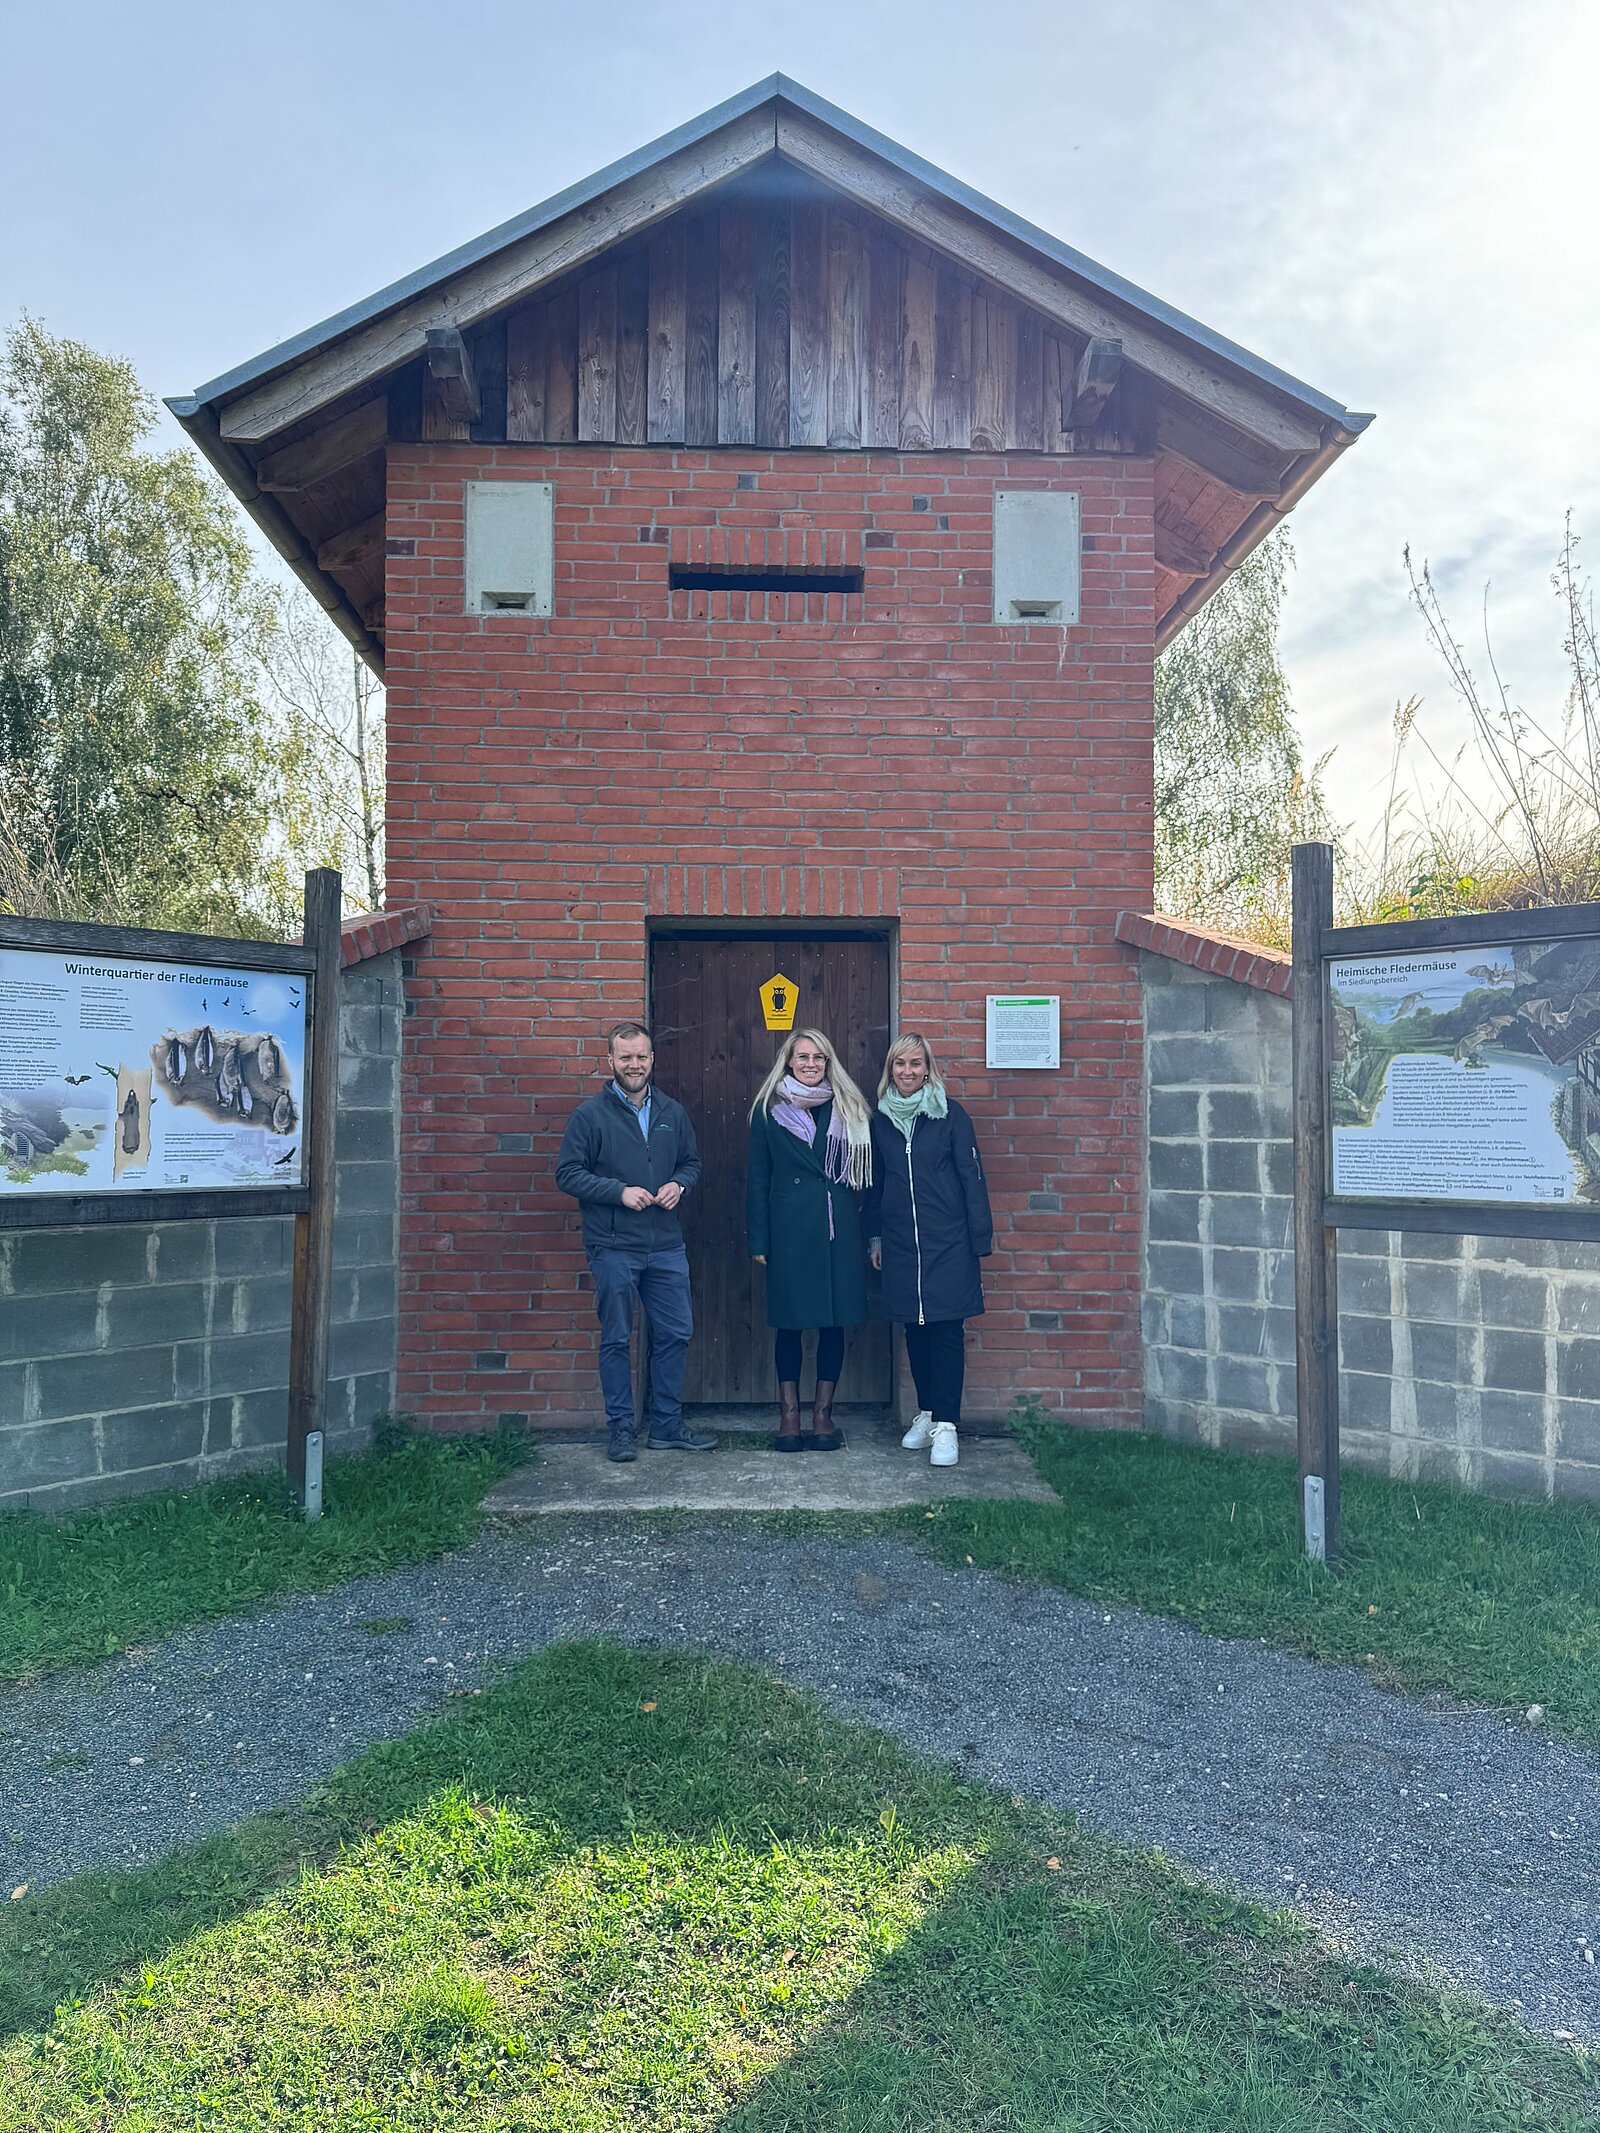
603 1151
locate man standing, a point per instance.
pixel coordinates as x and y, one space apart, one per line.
628 1156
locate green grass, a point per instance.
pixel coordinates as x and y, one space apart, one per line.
75 1589
639 1891
1486 1601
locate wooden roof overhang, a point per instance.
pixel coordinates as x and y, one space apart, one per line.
775 274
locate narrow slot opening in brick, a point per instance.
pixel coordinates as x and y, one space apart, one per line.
681 577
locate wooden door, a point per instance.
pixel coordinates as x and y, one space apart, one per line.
713 1051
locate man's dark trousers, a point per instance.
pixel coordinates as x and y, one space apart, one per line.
660 1282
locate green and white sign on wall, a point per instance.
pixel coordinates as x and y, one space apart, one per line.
1022 1030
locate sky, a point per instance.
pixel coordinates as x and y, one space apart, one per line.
1398 206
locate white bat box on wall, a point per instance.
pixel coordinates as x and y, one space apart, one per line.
510 547
1037 550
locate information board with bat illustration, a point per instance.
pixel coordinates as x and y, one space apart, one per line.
124 1075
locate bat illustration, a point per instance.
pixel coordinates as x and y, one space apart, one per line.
228 1081
130 1124
1409 1005
205 1050
76 1081
1467 1049
279 1161
1492 973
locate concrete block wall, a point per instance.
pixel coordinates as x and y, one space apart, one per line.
155 1355
1477 1358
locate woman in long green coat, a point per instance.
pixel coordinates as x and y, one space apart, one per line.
810 1163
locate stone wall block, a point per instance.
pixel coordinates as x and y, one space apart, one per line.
1187 1322
365 1346
1434 1291
1175 1008
160 1311
1174 1114
1365 1343
248 1246
1174 1217
1244 1383
1512 1421
1515 1362
46 1262
1177 1165
364 1188
1232 1166
1213 1060
69 1326
48 1453
1436 1353
1237 1274
1523 1300
1363 1285
183 1251
1577 1305
1174 1269
367 1082
105 1383
153 1436
248 1362
365 1137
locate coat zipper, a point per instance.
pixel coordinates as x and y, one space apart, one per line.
916 1232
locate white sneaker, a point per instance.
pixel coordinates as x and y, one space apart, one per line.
946 1451
920 1435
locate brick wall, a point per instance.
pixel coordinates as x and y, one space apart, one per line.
153 1355
1475 1357
555 785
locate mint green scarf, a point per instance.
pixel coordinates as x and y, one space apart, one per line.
929 1102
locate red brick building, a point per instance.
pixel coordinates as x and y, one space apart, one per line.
682 517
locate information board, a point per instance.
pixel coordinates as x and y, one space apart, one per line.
125 1076
1467 1075
1022 1030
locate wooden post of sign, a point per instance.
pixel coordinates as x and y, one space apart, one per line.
313 1230
1316 1263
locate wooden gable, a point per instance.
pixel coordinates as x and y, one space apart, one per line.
773 276
777 315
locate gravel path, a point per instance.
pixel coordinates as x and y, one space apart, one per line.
1420 1834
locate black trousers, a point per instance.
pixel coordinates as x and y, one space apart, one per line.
938 1355
787 1349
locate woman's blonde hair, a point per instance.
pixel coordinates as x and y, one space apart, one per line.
848 1100
912 1041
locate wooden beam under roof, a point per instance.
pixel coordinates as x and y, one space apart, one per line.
452 382
488 285
1219 452
336 445
1093 383
352 547
984 250
1184 557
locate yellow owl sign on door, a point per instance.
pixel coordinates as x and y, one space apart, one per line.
778 998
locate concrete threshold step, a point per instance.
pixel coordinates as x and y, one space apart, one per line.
872 1473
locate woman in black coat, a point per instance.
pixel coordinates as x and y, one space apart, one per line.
929 1224
810 1161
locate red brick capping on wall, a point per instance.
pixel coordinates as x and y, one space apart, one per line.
371 933
1222 955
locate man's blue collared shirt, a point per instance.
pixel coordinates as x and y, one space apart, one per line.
640 1111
